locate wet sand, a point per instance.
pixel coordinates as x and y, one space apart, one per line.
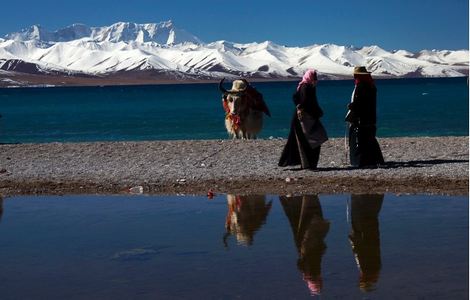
437 165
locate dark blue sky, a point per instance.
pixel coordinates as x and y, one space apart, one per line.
395 24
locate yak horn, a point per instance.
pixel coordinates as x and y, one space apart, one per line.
221 87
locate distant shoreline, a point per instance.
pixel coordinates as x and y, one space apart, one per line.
46 81
423 165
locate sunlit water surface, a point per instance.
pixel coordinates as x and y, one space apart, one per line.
405 107
249 247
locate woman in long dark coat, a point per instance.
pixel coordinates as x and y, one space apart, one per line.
307 132
364 150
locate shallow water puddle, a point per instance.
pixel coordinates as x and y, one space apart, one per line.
272 247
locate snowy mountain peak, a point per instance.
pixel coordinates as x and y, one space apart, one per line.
164 33
373 50
165 49
31 33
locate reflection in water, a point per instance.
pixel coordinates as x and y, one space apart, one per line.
365 238
245 216
68 247
1 208
309 229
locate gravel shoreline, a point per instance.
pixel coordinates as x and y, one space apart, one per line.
429 165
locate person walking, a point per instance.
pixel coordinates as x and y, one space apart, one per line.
364 150
307 132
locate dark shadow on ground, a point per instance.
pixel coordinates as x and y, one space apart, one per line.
389 165
420 163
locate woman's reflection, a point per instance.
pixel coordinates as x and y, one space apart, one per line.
309 229
365 237
245 216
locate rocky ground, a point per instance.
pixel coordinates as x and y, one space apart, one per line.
437 165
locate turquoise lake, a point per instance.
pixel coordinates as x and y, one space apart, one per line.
406 107
234 247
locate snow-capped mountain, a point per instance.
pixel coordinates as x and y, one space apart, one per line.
162 33
163 48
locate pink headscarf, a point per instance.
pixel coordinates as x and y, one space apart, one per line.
310 77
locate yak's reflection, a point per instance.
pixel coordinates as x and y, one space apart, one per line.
245 216
309 229
365 238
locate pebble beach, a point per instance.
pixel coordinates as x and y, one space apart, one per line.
428 165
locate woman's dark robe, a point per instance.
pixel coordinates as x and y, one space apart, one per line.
364 150
302 149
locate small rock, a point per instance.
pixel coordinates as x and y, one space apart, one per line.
136 189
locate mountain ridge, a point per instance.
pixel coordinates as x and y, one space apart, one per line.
131 47
162 33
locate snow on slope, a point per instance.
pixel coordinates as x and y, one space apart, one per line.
160 46
162 33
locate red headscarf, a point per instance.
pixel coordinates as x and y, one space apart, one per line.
363 78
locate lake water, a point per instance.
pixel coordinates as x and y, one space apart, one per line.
249 247
406 107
